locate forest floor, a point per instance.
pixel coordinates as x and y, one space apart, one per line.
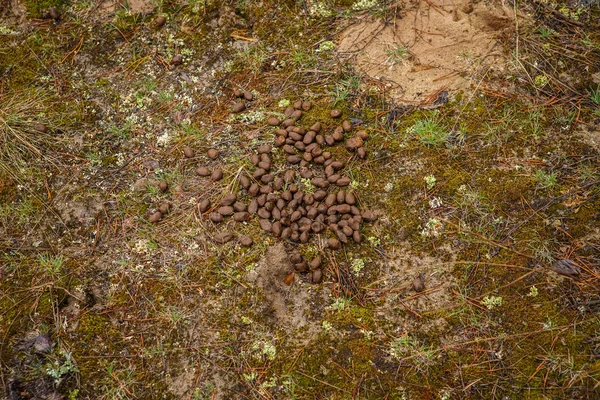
415 190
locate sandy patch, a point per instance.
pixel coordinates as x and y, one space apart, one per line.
429 46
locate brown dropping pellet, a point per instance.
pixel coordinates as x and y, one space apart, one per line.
357 237
155 217
307 157
223 237
337 165
263 213
330 200
350 199
320 140
248 96
276 214
317 276
279 141
354 143
225 210
316 151
264 149
316 127
267 178
204 205
188 152
333 178
278 184
319 195
228 199
245 181
343 181
319 160
295 237
297 104
253 206
362 134
202 171
347 231
255 159
309 199
216 175
293 188
177 59
241 216
273 121
289 149
309 137
40 127
286 233
239 206
293 159
326 155
164 208
354 210
288 111
338 134
253 189
215 217
316 263
343 208
346 125
212 154
300 145
246 241
341 197
286 196
281 132
238 107
341 236
329 170
261 200
266 189
312 213
368 216
329 140
317 227
335 113
361 152
332 210
276 228
296 215
288 122
160 21
334 244
238 93
258 173
306 105
320 183
301 266
306 173
297 114
163 186
265 225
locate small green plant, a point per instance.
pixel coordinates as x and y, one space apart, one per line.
51 263
430 181
429 132
595 95
491 301
398 54
533 291
61 367
546 32
545 180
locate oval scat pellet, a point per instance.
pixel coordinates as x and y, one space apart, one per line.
309 137
346 125
245 181
204 205
273 121
357 237
331 199
312 213
258 173
329 140
354 143
203 171
319 160
350 199
289 278
238 206
279 141
248 96
320 183
188 152
333 178
319 195
241 216
301 266
238 107
40 127
261 200
347 231
286 233
317 227
253 190
225 210
264 149
307 157
155 217
326 155
317 276
288 122
337 165
276 214
297 104
341 197
163 186
223 237
334 244
255 159
341 236
300 145
296 215
362 134
316 263
320 140
278 184
160 21
228 199
265 225
263 213
293 159
289 149
288 111
215 217
287 195
164 208
295 237
368 216
216 175
335 113
276 228
316 127
338 134
306 105
246 241
297 114
212 154
343 181
253 206
238 93
361 153
266 189
354 210
343 208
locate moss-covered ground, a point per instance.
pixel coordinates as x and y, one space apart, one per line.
484 195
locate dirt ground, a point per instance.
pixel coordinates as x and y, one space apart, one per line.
299 200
